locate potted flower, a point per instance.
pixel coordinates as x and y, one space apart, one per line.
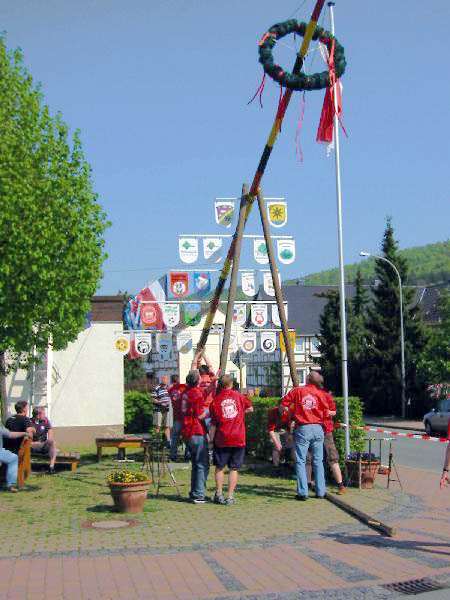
129 490
362 467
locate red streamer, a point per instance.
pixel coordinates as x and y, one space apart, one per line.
259 91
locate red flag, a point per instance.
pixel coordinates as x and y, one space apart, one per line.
150 299
325 129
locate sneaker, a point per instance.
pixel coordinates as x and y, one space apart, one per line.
219 499
341 489
12 489
301 498
230 501
320 497
198 500
51 470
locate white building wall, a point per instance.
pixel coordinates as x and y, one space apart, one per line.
87 383
89 386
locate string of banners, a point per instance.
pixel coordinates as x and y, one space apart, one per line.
164 344
225 208
171 314
191 247
183 283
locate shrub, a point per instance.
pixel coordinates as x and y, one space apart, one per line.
258 442
138 412
357 436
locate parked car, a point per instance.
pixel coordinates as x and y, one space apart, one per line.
436 421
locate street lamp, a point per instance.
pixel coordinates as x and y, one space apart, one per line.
402 333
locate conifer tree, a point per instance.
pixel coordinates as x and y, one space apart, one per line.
383 361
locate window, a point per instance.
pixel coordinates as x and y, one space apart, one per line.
314 344
301 376
299 344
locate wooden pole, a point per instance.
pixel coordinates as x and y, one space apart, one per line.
273 135
277 288
361 516
234 279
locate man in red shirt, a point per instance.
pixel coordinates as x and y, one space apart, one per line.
279 432
207 376
329 445
227 432
332 455
175 390
195 411
308 409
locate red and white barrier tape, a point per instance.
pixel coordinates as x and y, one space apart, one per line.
413 436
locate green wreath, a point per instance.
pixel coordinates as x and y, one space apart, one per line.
317 81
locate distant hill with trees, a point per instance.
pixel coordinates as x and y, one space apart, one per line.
427 264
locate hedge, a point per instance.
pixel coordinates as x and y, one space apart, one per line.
139 419
138 412
258 439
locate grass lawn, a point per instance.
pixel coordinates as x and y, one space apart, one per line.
53 513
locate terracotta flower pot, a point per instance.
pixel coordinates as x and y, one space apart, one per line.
368 472
129 497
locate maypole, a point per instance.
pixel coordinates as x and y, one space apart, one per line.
276 128
343 318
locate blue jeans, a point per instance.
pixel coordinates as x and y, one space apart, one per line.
176 430
198 445
309 437
11 461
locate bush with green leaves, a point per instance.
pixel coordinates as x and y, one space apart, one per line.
258 443
138 412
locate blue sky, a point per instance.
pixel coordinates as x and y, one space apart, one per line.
159 90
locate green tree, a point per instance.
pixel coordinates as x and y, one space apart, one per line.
383 372
51 225
133 370
330 339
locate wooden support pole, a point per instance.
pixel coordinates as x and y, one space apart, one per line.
277 288
234 279
361 516
273 135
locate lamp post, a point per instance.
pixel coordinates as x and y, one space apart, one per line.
402 333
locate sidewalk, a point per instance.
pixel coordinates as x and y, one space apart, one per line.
270 548
395 423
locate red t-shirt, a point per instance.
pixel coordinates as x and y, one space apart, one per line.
207 385
275 421
192 406
228 415
328 424
307 405
175 392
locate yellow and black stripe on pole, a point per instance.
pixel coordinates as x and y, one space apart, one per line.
276 128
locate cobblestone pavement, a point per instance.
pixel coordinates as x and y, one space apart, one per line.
267 546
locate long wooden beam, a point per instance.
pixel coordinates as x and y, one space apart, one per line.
276 128
277 287
233 281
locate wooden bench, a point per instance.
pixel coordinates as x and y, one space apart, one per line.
24 468
121 443
70 459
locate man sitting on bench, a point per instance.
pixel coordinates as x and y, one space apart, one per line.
43 440
19 422
9 458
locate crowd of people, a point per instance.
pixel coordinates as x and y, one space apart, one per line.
208 412
38 429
